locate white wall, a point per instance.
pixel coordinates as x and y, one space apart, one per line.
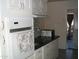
57 15
56 19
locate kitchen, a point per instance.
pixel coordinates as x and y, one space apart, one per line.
30 23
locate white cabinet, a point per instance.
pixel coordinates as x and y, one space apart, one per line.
38 54
55 48
16 7
39 7
46 52
50 51
44 7
36 7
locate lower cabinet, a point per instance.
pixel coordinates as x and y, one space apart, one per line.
49 51
55 49
38 54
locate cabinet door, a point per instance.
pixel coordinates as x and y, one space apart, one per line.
39 7
55 48
18 7
36 7
38 54
47 51
50 50
44 7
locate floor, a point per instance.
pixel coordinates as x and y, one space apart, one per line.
70 44
69 53
70 41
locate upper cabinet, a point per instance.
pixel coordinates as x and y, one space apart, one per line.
39 7
16 7
44 7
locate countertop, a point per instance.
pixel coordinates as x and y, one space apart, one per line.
43 40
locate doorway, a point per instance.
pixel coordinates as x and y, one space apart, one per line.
70 25
72 33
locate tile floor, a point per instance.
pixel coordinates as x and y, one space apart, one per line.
70 44
68 54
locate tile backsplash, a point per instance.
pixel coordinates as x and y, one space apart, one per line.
37 31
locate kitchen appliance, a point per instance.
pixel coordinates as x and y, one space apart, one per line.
48 32
16 37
